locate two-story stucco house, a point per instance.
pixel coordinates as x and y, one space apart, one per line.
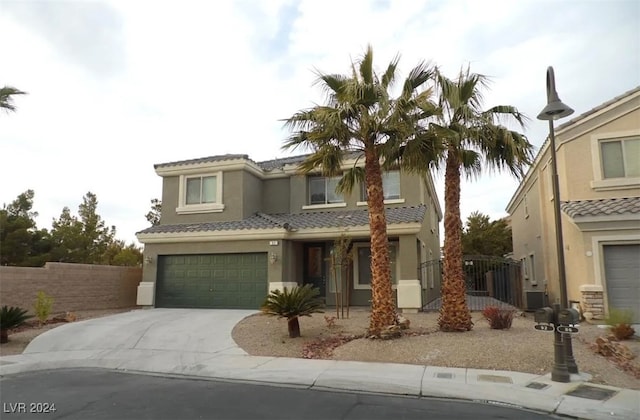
598 157
232 229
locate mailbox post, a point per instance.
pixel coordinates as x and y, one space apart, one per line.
562 322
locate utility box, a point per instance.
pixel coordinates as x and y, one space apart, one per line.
568 316
544 316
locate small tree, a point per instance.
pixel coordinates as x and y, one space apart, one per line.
43 306
154 214
292 304
339 260
482 236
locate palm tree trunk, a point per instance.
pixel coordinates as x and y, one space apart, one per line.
4 335
293 325
383 308
454 312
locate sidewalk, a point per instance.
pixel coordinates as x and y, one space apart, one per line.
154 346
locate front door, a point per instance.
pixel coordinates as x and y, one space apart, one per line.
314 266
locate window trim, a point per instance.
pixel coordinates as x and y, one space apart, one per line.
398 200
599 183
184 208
356 272
326 204
391 201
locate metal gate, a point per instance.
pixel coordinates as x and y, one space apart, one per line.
485 275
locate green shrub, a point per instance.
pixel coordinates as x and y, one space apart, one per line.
11 317
619 322
499 319
292 304
43 306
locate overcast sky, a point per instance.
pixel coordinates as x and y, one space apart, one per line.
116 86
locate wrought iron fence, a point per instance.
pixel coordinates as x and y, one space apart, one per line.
496 277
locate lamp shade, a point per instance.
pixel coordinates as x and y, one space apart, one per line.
555 108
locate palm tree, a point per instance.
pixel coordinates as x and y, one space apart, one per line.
6 97
292 304
473 140
361 118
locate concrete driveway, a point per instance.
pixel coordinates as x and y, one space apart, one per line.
179 330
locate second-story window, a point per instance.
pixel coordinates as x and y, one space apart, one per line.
322 190
201 190
390 186
620 157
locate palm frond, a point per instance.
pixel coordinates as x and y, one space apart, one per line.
470 162
295 302
505 112
507 150
418 76
366 66
6 97
389 75
350 177
327 158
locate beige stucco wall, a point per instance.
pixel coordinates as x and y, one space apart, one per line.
530 233
576 159
578 166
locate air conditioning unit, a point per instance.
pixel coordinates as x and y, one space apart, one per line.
534 299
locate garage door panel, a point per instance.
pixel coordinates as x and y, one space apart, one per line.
212 281
622 277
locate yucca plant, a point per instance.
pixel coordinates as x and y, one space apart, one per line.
292 304
619 322
11 317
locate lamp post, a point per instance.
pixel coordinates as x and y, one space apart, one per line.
564 362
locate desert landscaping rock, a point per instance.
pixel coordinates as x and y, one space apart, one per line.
519 349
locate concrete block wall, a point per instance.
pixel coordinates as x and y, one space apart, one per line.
74 287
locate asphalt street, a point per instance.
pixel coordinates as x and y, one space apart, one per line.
102 394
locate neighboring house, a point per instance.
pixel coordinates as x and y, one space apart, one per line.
598 158
232 229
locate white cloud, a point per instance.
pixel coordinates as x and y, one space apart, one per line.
176 80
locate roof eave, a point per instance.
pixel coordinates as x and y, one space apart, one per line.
279 233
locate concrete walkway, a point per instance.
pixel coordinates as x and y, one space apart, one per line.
198 343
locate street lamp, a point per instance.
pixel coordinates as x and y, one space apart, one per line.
564 362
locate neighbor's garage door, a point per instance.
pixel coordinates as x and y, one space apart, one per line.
234 281
622 274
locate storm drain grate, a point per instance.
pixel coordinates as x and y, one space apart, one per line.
443 375
537 385
592 393
495 378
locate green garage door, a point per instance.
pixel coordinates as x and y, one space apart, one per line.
232 281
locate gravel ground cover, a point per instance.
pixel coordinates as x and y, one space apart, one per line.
521 348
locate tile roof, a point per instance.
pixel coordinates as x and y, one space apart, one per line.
598 108
267 165
217 158
603 207
321 219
